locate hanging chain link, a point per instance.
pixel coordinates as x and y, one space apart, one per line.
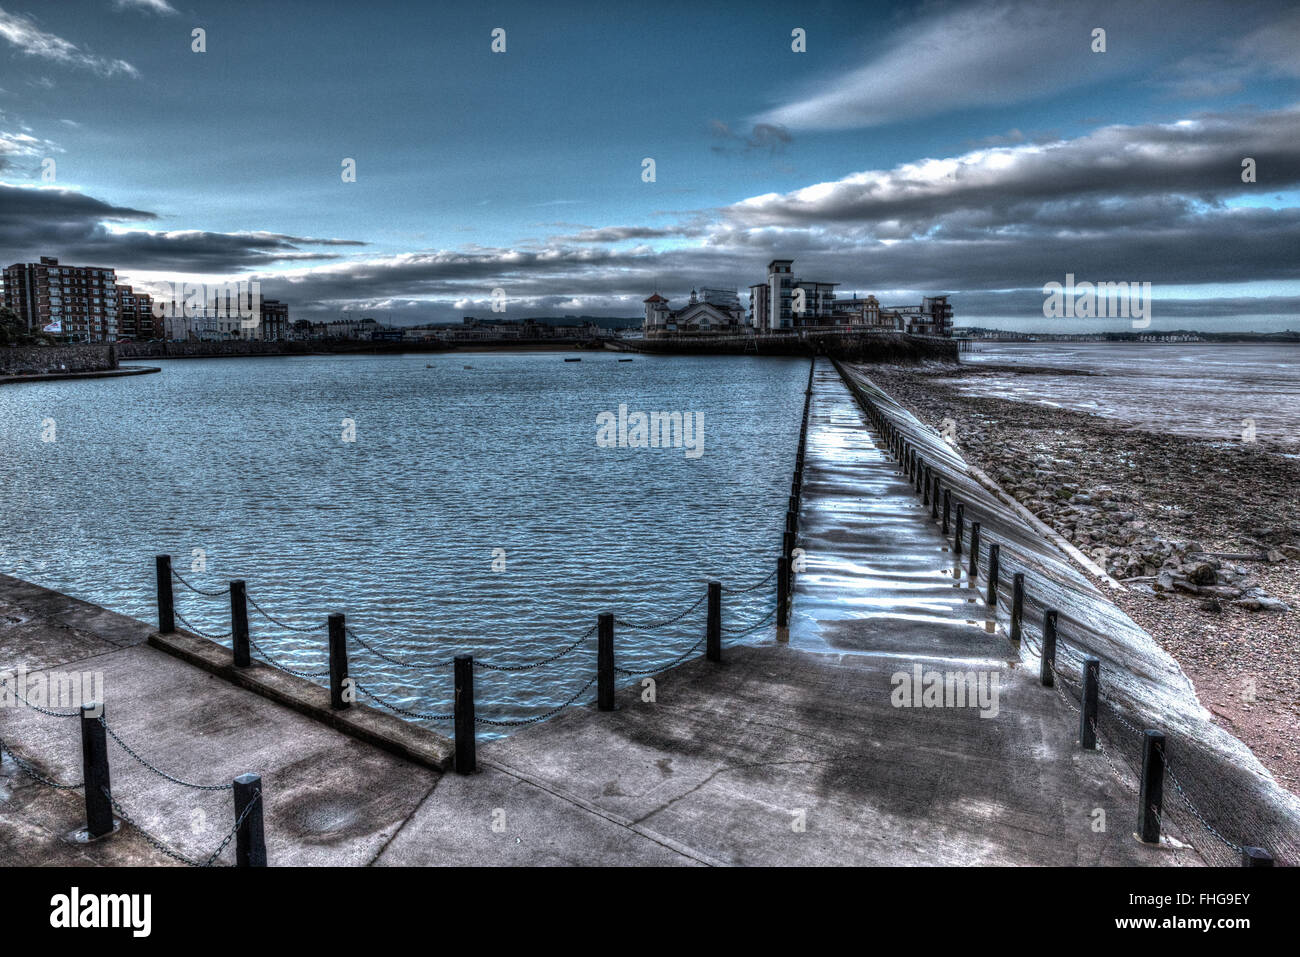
396 662
202 634
754 627
418 715
35 775
177 855
200 591
664 667
283 624
161 773
754 587
297 674
487 665
519 722
651 626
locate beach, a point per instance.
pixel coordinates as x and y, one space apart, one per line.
1204 534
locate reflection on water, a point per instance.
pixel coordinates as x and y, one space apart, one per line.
1203 390
241 461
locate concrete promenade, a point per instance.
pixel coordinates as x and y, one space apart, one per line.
781 754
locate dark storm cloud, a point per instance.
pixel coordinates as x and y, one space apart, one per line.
1199 157
772 137
74 226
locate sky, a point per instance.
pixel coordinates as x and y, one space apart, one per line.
980 150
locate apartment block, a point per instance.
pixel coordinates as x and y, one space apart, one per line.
78 302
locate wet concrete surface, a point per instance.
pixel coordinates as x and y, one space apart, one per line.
795 754
330 799
780 754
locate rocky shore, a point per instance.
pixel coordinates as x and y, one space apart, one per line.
1205 536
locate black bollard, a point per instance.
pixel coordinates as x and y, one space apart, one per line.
991 596
947 498
713 629
793 505
934 498
956 541
974 552
1017 604
1151 795
166 603
791 521
1045 666
462 715
94 771
605 661
782 592
338 640
1088 704
1256 857
239 623
250 837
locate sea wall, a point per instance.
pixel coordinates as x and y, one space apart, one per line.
44 360
895 348
1141 686
201 350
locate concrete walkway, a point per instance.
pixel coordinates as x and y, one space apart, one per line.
794 754
781 754
330 798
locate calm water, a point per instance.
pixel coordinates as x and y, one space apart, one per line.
244 460
1205 390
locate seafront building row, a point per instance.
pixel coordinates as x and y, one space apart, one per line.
88 304
787 304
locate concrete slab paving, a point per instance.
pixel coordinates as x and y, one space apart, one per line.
330 799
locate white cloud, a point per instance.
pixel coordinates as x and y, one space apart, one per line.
28 38
160 7
992 53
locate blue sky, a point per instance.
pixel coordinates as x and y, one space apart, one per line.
979 149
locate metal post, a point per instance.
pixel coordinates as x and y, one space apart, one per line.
993 568
713 633
466 757
1049 649
338 661
94 771
934 497
1151 795
782 592
605 661
791 521
1017 604
239 623
250 837
166 603
947 498
793 503
974 551
956 541
787 543
1256 857
1088 704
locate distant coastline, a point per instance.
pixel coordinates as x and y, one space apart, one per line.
1179 336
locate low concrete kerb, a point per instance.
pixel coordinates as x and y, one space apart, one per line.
369 725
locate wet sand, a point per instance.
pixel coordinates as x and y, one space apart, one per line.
1150 506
